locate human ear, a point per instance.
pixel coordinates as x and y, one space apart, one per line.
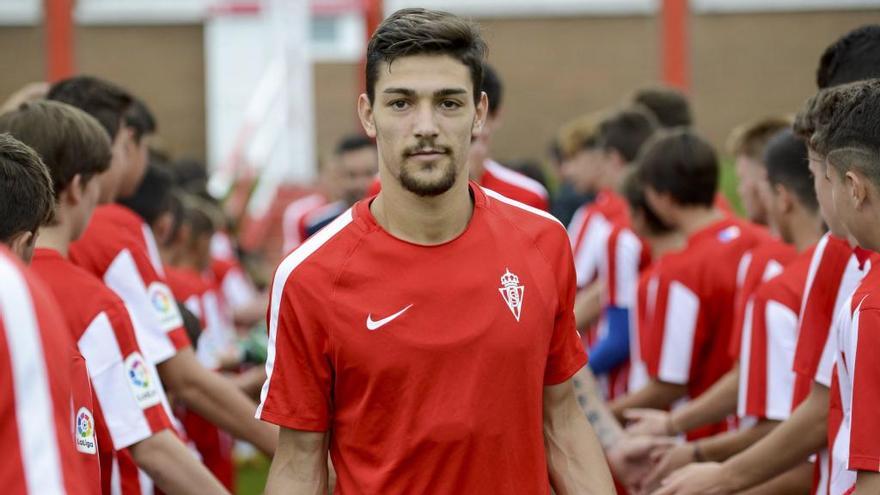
366 116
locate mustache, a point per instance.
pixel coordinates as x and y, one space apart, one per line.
424 146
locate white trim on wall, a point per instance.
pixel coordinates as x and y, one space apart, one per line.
20 12
762 6
531 8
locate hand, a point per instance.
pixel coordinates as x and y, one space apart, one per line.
706 478
667 462
630 458
653 422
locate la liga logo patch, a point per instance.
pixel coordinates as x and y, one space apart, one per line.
85 432
164 306
141 381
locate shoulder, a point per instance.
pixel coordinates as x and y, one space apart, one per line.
513 179
533 222
316 260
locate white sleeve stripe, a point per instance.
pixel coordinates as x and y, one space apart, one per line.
282 274
37 432
124 417
781 342
743 269
745 358
515 178
523 206
628 253
153 249
679 330
811 274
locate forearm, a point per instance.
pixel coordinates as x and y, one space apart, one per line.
710 407
575 461
607 429
218 400
726 445
250 381
300 467
172 467
868 482
797 481
790 443
654 395
588 305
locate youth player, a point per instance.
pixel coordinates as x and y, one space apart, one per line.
834 274
691 324
850 141
35 346
128 412
767 391
119 248
418 416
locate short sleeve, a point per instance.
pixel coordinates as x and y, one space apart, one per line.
161 301
621 269
298 389
673 331
566 354
864 449
126 386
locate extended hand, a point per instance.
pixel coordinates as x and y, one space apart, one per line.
696 479
653 422
631 458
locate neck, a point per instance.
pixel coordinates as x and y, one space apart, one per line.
611 179
692 219
805 230
665 243
870 239
56 237
423 220
476 167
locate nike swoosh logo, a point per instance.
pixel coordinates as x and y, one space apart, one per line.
375 325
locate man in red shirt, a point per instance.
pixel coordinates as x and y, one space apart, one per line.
687 340
119 248
127 413
36 351
834 274
451 375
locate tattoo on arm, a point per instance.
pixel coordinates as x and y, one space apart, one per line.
607 429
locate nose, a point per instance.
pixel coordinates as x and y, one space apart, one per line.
426 122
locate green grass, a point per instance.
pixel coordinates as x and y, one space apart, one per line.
727 185
251 478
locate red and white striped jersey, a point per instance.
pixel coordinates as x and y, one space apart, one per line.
853 429
132 402
291 222
35 406
756 267
115 248
688 337
234 286
589 229
514 185
834 274
769 338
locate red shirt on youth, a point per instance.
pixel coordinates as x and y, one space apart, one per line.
427 363
115 248
35 409
688 337
514 185
767 382
126 387
757 266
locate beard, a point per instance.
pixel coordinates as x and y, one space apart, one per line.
428 179
427 187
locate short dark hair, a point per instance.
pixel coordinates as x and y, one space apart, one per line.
626 131
493 88
425 32
669 105
785 158
633 191
140 119
353 142
68 140
102 100
153 196
847 129
854 57
682 164
751 138
26 200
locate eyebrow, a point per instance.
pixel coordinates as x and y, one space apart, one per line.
439 93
